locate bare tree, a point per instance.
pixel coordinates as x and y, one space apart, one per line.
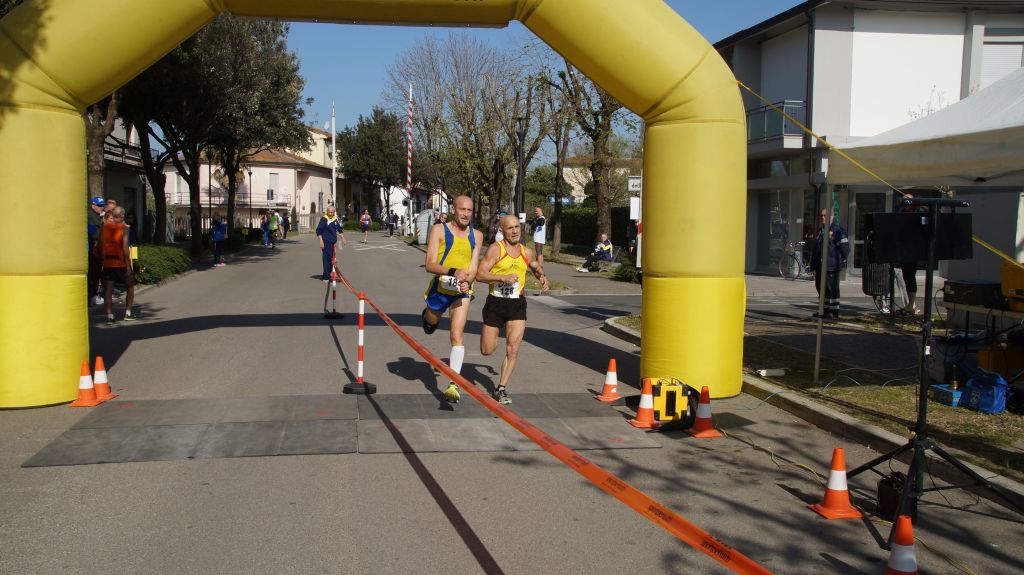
560 132
595 111
458 125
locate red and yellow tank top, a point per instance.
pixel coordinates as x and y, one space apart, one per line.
506 265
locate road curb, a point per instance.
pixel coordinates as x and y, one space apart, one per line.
851 428
621 332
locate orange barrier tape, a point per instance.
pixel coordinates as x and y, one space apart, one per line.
607 482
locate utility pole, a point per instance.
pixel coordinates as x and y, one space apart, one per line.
520 199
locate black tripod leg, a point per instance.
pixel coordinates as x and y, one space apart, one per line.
981 480
879 459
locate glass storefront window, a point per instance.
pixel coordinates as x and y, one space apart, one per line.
773 225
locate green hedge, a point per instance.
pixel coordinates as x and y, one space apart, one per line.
579 225
157 263
354 226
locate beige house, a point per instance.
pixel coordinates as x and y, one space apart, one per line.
277 179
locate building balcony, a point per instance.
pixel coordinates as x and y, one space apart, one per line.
126 154
769 132
219 198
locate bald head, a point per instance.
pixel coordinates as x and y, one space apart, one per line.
511 229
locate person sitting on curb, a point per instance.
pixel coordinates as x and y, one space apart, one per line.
602 253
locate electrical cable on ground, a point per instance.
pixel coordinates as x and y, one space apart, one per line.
743 438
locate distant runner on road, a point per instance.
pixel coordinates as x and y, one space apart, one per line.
504 267
453 254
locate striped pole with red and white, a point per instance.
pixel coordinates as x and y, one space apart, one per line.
408 142
360 386
362 311
408 162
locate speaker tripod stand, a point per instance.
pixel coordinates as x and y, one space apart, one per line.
920 444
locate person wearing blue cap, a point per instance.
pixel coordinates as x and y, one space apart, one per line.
95 225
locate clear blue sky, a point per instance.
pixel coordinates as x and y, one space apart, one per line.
348 63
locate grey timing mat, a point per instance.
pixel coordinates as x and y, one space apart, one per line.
202 428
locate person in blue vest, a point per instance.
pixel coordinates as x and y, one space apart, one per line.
218 233
838 252
328 230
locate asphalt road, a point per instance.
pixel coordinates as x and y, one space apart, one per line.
254 329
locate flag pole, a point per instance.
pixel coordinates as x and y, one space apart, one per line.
408 164
334 161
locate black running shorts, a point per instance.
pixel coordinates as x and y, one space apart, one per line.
115 274
499 310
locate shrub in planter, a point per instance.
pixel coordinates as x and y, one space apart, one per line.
157 263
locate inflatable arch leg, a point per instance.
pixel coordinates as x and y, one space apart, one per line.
645 55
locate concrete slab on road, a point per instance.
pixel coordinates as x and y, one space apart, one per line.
252 329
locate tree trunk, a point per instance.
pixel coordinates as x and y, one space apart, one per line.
195 204
600 171
157 181
95 164
100 119
562 146
232 193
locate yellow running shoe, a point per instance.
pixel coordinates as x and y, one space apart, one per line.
452 393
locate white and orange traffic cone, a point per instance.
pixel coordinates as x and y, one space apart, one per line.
610 392
86 391
902 560
703 426
837 497
645 413
100 381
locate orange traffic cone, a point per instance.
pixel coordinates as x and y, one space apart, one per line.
611 385
703 426
902 561
837 497
645 413
101 382
86 392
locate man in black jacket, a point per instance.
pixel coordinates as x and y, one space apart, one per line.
838 252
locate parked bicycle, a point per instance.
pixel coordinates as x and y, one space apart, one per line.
791 264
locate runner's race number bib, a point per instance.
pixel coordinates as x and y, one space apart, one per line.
450 283
509 291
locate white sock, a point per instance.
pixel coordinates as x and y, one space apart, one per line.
456 357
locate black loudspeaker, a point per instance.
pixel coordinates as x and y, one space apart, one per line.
893 238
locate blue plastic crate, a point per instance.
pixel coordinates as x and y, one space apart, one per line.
944 395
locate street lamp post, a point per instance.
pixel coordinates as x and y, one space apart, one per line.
520 199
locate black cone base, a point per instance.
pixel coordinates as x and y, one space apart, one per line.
360 388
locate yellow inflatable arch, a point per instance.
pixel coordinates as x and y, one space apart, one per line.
58 56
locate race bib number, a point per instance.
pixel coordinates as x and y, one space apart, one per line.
510 291
450 283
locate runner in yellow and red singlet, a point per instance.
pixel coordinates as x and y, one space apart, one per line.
504 267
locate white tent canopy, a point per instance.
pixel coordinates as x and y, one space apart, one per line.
977 141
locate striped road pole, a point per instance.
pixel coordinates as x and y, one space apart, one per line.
360 387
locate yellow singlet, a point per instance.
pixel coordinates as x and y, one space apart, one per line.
507 264
453 252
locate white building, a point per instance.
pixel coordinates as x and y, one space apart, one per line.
850 69
281 180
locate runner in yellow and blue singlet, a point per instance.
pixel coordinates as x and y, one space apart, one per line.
453 254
